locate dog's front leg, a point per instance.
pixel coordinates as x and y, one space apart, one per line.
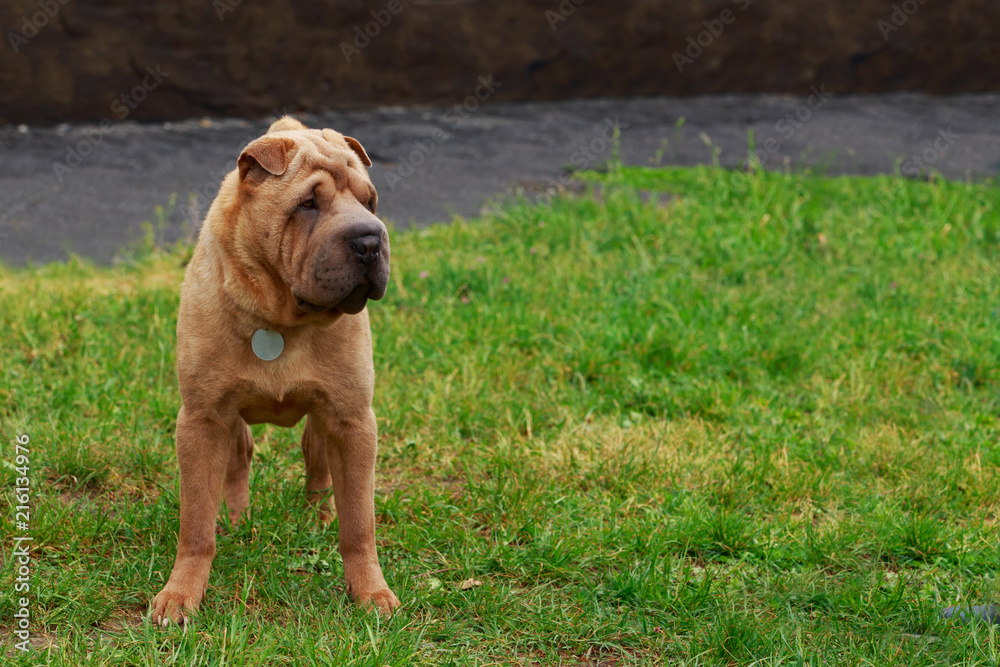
203 457
351 448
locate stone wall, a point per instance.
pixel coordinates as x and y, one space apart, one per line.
163 59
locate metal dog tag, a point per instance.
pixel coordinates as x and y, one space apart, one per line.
267 344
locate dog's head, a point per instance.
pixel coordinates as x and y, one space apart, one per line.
305 210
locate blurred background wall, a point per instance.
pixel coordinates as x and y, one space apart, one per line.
90 59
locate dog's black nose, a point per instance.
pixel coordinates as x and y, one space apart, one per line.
367 247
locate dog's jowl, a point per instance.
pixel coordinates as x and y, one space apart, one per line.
273 328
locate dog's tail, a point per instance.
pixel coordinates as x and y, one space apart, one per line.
285 123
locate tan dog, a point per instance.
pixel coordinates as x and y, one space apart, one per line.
288 256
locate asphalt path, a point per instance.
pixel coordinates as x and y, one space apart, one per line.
88 189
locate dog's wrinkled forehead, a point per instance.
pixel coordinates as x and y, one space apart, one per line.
289 124
325 149
288 143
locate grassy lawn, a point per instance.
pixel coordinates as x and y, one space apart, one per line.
693 417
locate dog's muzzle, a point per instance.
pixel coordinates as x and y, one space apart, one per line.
348 272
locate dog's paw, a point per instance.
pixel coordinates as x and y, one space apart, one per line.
171 605
320 503
324 516
384 600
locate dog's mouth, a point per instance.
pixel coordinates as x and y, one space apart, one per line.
309 307
352 304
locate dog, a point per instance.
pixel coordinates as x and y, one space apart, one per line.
272 328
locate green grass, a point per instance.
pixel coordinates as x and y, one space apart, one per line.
695 417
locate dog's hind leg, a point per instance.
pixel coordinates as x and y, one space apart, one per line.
236 489
318 481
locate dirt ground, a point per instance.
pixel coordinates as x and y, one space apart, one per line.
88 188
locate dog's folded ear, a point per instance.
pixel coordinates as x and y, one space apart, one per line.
359 149
270 153
334 138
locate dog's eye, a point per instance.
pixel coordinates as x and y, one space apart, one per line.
308 204
371 204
